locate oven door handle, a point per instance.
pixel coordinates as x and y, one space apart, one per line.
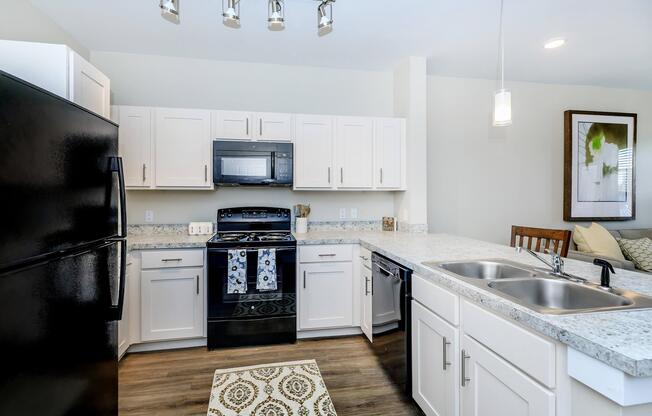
250 250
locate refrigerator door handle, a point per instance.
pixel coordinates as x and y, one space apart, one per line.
116 166
115 311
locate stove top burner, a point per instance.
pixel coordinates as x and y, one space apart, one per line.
233 237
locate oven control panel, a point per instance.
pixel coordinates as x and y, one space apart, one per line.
253 214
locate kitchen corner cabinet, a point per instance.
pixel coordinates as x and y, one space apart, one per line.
60 70
183 148
172 305
354 138
313 152
389 151
493 387
136 145
435 363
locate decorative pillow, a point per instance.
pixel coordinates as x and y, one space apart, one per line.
596 240
639 251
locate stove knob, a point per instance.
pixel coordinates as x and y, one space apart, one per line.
279 214
228 215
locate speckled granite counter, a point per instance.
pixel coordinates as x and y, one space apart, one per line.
621 339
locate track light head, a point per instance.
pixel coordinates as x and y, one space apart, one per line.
231 13
325 17
276 15
170 10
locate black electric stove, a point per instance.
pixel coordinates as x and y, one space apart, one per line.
255 317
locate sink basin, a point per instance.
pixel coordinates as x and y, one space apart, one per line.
547 294
485 269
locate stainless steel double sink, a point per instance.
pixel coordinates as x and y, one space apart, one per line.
540 290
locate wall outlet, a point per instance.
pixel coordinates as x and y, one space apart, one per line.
354 213
342 213
149 216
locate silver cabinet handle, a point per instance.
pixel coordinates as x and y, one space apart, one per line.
329 174
341 175
364 258
247 126
144 172
261 126
465 379
445 344
381 175
366 286
327 255
198 284
304 279
205 173
167 260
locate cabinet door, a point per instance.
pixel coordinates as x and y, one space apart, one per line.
313 155
172 304
232 125
434 363
325 296
89 87
273 126
366 317
389 155
183 148
135 145
354 150
496 388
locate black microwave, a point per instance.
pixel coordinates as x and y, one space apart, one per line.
238 163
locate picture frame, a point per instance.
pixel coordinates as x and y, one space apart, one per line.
599 166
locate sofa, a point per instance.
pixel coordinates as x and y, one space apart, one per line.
633 234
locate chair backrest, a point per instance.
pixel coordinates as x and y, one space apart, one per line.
540 239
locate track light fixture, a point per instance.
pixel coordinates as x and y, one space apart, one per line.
502 97
276 15
170 10
231 13
325 17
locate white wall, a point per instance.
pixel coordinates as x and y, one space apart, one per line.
483 179
194 83
19 20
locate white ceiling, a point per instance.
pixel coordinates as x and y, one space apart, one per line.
609 42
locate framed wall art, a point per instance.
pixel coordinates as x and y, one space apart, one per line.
599 166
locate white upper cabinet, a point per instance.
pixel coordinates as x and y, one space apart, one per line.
89 87
354 137
389 151
313 152
60 70
235 125
183 148
136 145
273 127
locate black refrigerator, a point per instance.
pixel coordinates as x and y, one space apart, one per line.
62 255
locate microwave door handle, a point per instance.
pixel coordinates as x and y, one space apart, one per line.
273 166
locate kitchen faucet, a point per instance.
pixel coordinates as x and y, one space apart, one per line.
556 264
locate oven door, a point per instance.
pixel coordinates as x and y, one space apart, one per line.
255 303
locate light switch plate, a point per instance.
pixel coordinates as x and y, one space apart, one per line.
149 216
342 213
354 213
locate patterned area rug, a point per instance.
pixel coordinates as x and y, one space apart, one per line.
281 389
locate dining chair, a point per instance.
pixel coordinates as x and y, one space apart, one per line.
541 239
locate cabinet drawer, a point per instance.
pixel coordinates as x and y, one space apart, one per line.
523 349
314 254
437 299
365 257
161 259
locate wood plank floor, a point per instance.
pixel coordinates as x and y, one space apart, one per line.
179 382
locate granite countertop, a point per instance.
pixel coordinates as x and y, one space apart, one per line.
621 339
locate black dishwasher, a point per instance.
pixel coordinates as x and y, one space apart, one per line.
391 313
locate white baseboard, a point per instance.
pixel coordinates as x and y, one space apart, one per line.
328 333
168 345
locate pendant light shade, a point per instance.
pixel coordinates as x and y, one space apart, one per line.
502 97
502 108
231 13
170 9
325 17
276 15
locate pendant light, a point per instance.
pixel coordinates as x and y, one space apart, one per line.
231 13
170 9
276 15
325 17
502 97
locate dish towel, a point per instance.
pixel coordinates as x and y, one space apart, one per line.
237 282
266 269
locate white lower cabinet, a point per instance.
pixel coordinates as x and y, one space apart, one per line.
435 363
325 295
366 309
493 387
172 303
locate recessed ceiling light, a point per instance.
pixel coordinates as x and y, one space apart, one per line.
554 43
